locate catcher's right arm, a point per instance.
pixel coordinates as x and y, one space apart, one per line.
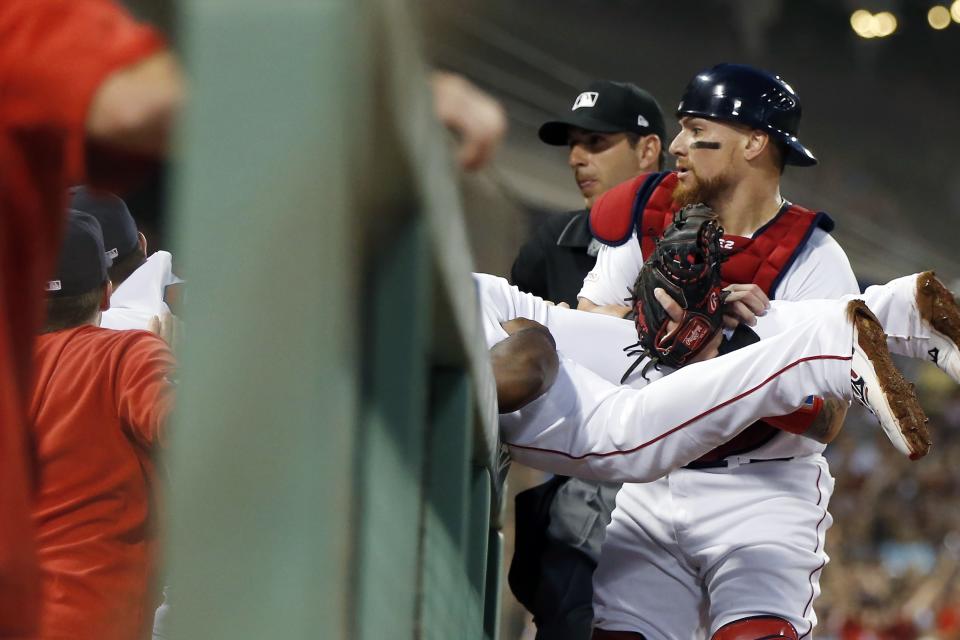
686 265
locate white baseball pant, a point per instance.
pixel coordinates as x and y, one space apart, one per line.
589 427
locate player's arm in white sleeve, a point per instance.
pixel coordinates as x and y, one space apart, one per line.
595 341
821 271
610 280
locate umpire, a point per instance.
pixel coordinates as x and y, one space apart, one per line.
615 131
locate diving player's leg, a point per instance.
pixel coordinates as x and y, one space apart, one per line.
783 315
587 427
919 315
595 430
921 319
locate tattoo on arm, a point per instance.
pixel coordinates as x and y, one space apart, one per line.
826 425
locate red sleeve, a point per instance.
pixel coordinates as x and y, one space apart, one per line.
54 54
144 387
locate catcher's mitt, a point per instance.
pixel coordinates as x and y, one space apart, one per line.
685 264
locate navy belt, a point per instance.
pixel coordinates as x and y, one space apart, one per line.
723 464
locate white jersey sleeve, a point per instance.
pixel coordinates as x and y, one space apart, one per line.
821 271
610 280
140 297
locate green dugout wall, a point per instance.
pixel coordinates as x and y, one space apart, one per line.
334 468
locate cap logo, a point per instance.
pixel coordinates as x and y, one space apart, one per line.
54 285
642 122
585 99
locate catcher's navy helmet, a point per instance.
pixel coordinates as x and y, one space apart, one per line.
750 96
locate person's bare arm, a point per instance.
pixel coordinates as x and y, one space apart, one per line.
135 107
474 116
167 326
585 305
525 364
616 310
829 421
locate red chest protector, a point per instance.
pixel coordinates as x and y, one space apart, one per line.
646 204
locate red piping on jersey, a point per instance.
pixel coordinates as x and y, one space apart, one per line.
682 425
815 550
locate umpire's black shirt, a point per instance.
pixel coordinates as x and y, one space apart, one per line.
557 257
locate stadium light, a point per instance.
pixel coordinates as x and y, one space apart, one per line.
955 10
885 23
939 17
868 25
862 22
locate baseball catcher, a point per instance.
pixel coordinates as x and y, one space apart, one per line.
685 264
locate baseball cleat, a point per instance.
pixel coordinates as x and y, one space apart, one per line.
880 387
941 316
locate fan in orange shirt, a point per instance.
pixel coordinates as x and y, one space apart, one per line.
98 409
82 83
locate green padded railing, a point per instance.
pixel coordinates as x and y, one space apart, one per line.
334 470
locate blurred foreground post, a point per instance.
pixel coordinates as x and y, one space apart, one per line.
334 466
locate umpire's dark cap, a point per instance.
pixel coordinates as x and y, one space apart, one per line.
608 107
82 265
120 235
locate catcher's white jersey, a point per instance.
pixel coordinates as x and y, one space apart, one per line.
821 271
728 552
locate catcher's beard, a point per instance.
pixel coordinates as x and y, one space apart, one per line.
706 191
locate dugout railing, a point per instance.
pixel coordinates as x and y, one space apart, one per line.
334 459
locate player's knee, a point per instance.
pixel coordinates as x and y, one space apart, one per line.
757 628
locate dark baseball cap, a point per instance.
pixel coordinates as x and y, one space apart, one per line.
82 265
120 235
608 107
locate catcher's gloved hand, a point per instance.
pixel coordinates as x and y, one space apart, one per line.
685 264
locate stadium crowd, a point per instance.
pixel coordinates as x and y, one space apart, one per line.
894 546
